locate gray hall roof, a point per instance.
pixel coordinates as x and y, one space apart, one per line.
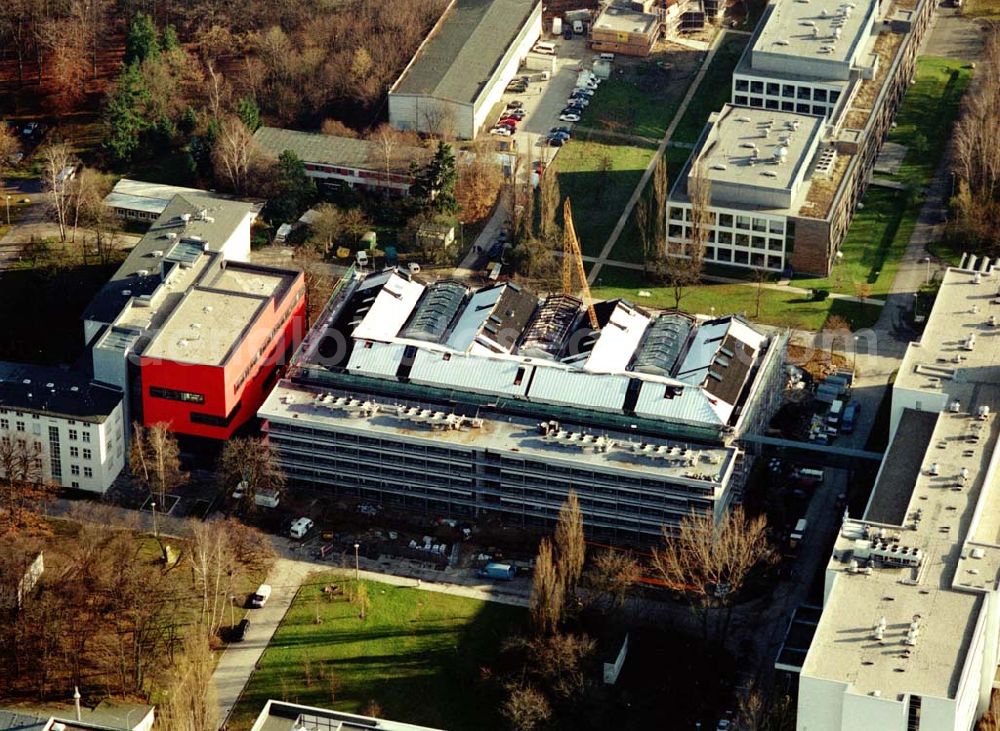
460 56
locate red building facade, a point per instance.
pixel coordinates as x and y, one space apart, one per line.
217 356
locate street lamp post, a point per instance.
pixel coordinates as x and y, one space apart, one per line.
854 367
153 506
232 610
7 198
461 235
357 564
927 278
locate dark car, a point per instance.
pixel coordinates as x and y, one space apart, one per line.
568 33
557 141
570 109
240 631
515 105
561 130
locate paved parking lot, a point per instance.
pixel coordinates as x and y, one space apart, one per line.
544 100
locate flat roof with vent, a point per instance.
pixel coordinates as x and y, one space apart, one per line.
936 492
758 156
56 391
211 319
817 38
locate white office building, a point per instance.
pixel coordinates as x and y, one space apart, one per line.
759 166
908 637
72 425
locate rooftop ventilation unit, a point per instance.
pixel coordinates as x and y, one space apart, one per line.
743 119
878 631
185 217
970 342
983 412
781 42
824 12
955 406
718 166
769 174
934 470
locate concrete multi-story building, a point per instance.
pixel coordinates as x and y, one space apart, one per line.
192 334
356 163
847 67
909 633
489 404
72 425
460 71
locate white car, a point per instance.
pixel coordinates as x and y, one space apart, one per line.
259 598
581 101
569 117
300 527
502 131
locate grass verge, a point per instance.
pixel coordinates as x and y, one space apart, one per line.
786 309
881 229
417 655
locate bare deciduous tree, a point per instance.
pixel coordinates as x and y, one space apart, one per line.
571 548
56 158
526 707
612 574
684 264
234 155
251 463
191 704
549 201
710 562
154 459
22 476
547 598
479 182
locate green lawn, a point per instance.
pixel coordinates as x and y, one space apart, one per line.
715 88
881 228
418 655
622 105
776 307
598 195
628 248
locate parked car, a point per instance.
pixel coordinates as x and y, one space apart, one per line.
507 122
502 131
515 105
300 527
29 129
579 101
557 141
561 130
240 630
582 91
259 598
569 117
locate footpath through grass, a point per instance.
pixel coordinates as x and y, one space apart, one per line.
417 655
784 309
715 88
599 178
884 222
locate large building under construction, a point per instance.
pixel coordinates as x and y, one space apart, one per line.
490 404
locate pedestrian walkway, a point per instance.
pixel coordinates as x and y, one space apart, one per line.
602 259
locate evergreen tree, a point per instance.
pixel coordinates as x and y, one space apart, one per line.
434 186
142 40
123 117
249 112
169 42
294 191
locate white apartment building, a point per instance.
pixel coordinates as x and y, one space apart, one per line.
75 426
908 638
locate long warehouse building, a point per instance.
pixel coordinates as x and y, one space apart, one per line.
460 71
489 404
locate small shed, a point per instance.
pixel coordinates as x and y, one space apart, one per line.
430 235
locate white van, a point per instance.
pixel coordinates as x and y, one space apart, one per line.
607 57
545 47
578 27
799 533
259 598
300 526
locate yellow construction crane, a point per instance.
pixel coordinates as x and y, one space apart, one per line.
572 260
